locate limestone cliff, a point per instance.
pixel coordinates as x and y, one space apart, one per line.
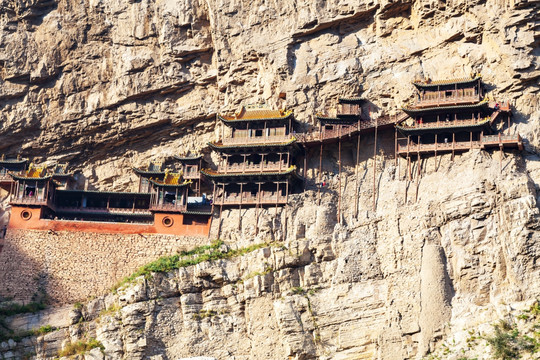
108 84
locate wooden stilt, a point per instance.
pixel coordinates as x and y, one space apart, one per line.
453 145
395 149
240 207
418 172
409 175
409 157
339 181
305 167
320 175
219 221
356 169
436 144
257 210
375 166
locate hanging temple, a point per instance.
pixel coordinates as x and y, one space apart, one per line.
263 159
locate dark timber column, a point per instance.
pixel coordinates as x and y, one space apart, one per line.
320 174
435 153
357 179
240 207
453 145
221 209
339 181
375 164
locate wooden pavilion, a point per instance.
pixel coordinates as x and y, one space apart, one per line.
256 166
10 165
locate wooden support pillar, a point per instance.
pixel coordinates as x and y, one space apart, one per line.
375 166
339 181
306 152
221 209
436 144
409 157
320 175
356 169
395 148
418 173
453 145
240 207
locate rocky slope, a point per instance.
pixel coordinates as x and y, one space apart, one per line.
104 85
393 284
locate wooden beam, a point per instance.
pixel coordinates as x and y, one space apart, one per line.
339 181
375 165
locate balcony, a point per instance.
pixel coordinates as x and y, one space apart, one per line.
456 99
349 110
192 175
486 141
104 211
253 168
249 199
168 207
449 123
257 140
31 200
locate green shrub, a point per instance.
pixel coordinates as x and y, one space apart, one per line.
508 344
44 330
80 347
188 258
297 290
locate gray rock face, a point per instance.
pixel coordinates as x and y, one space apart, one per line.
106 85
387 284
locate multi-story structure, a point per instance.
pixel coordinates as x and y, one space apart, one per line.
256 166
7 165
453 116
191 166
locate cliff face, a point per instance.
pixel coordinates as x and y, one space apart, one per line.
105 85
394 284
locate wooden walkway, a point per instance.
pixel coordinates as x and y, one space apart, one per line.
363 125
488 141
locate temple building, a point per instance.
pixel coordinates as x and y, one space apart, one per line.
348 116
44 199
191 166
256 166
34 193
154 169
454 116
7 165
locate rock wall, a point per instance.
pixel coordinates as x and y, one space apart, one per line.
65 267
106 85
390 284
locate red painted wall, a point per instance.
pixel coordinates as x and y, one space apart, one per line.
175 224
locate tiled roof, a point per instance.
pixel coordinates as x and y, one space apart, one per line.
187 157
412 111
99 192
448 127
251 114
170 184
222 147
214 174
351 100
446 82
13 161
146 172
